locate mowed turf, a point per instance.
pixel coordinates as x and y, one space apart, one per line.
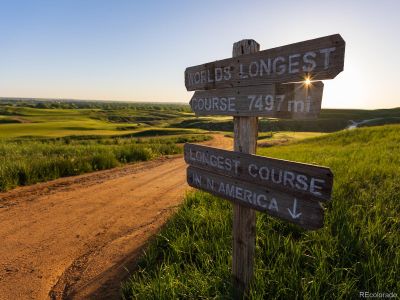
357 250
33 122
55 123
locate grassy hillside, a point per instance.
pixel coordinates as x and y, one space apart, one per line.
357 250
28 161
330 120
51 122
17 121
38 117
70 138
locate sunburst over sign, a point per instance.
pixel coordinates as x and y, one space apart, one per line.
317 59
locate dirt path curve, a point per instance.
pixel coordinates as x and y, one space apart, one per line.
73 238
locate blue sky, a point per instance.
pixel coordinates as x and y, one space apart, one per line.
138 50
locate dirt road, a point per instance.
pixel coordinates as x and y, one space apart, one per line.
74 238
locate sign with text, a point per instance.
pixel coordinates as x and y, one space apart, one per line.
286 101
265 83
305 213
298 179
321 58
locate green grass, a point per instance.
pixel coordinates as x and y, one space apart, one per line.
39 144
358 249
383 121
105 118
53 118
53 123
40 122
269 139
58 128
55 159
28 161
163 132
330 120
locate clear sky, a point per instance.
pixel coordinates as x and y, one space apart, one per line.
138 50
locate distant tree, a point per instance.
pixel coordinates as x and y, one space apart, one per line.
42 105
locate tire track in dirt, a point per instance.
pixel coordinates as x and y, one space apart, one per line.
76 237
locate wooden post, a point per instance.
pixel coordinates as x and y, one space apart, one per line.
244 219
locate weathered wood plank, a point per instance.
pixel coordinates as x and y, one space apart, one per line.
305 213
245 131
321 58
285 101
298 179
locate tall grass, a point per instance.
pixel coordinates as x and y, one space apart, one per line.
357 250
26 162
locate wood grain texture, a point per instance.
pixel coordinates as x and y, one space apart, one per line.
245 130
305 213
285 101
321 58
301 180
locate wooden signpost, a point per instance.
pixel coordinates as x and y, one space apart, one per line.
261 83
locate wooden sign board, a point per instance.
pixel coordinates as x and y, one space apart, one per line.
321 58
303 181
286 101
305 213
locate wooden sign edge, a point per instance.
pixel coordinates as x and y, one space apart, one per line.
333 73
336 36
294 116
314 225
240 155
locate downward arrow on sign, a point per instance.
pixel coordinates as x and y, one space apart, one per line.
293 213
